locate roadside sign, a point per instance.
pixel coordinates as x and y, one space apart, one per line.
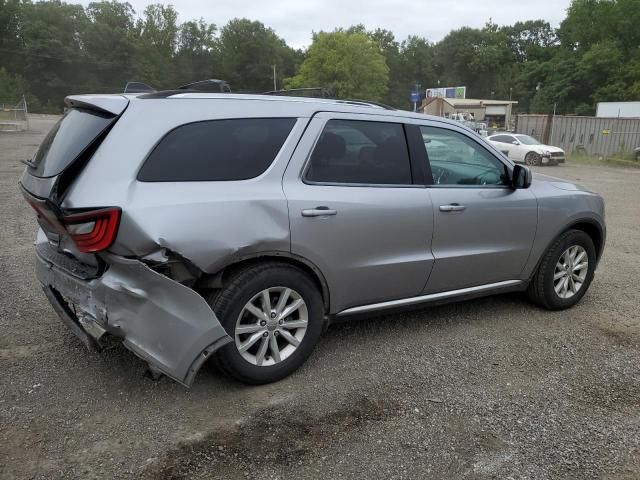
606 131
415 96
447 92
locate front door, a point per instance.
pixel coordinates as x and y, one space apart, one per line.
355 211
483 228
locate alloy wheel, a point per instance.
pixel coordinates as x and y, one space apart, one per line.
271 326
570 272
532 159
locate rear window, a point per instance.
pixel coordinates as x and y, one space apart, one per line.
217 150
66 141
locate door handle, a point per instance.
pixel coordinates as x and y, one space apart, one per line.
454 207
318 212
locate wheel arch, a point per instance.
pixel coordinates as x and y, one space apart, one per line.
591 228
218 279
587 225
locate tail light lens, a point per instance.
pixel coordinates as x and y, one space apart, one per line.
93 231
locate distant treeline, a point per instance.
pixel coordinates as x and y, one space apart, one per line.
50 49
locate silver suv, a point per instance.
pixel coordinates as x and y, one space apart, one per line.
197 225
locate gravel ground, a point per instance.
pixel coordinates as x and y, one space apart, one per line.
492 388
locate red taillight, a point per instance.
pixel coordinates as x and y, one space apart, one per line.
93 231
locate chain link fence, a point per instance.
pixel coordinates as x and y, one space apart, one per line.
14 115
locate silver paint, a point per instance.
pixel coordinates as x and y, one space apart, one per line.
432 297
384 246
161 321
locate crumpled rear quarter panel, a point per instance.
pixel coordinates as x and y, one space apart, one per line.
163 322
208 223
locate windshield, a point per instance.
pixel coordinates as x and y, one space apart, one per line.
527 140
75 131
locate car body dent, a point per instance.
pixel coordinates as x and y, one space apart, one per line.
209 235
211 226
208 230
162 321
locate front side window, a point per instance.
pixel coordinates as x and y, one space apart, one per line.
360 152
456 159
217 150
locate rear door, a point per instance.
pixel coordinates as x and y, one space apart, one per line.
355 210
483 228
504 143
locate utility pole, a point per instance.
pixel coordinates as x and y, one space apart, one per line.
275 83
553 120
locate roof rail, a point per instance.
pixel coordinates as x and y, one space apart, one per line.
138 87
209 85
324 92
355 101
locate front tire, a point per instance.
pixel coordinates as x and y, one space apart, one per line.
274 313
565 273
532 159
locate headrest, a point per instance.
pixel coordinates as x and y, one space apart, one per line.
330 146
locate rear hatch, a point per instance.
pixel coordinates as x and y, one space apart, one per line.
70 143
62 155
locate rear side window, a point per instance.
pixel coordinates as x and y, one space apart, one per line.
217 150
66 141
361 152
502 139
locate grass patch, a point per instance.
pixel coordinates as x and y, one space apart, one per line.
604 161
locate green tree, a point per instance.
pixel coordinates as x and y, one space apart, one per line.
398 83
158 36
109 42
198 55
416 67
248 52
12 87
52 57
350 63
473 58
530 40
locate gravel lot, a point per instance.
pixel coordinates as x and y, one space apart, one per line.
493 388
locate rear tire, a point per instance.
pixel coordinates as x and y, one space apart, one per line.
279 339
565 272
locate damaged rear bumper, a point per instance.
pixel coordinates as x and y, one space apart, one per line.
162 321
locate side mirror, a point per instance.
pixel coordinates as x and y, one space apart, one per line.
521 177
515 142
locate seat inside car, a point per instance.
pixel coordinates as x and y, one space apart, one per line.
325 161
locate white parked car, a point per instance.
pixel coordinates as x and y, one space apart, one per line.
526 149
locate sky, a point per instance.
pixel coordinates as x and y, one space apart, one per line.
294 20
